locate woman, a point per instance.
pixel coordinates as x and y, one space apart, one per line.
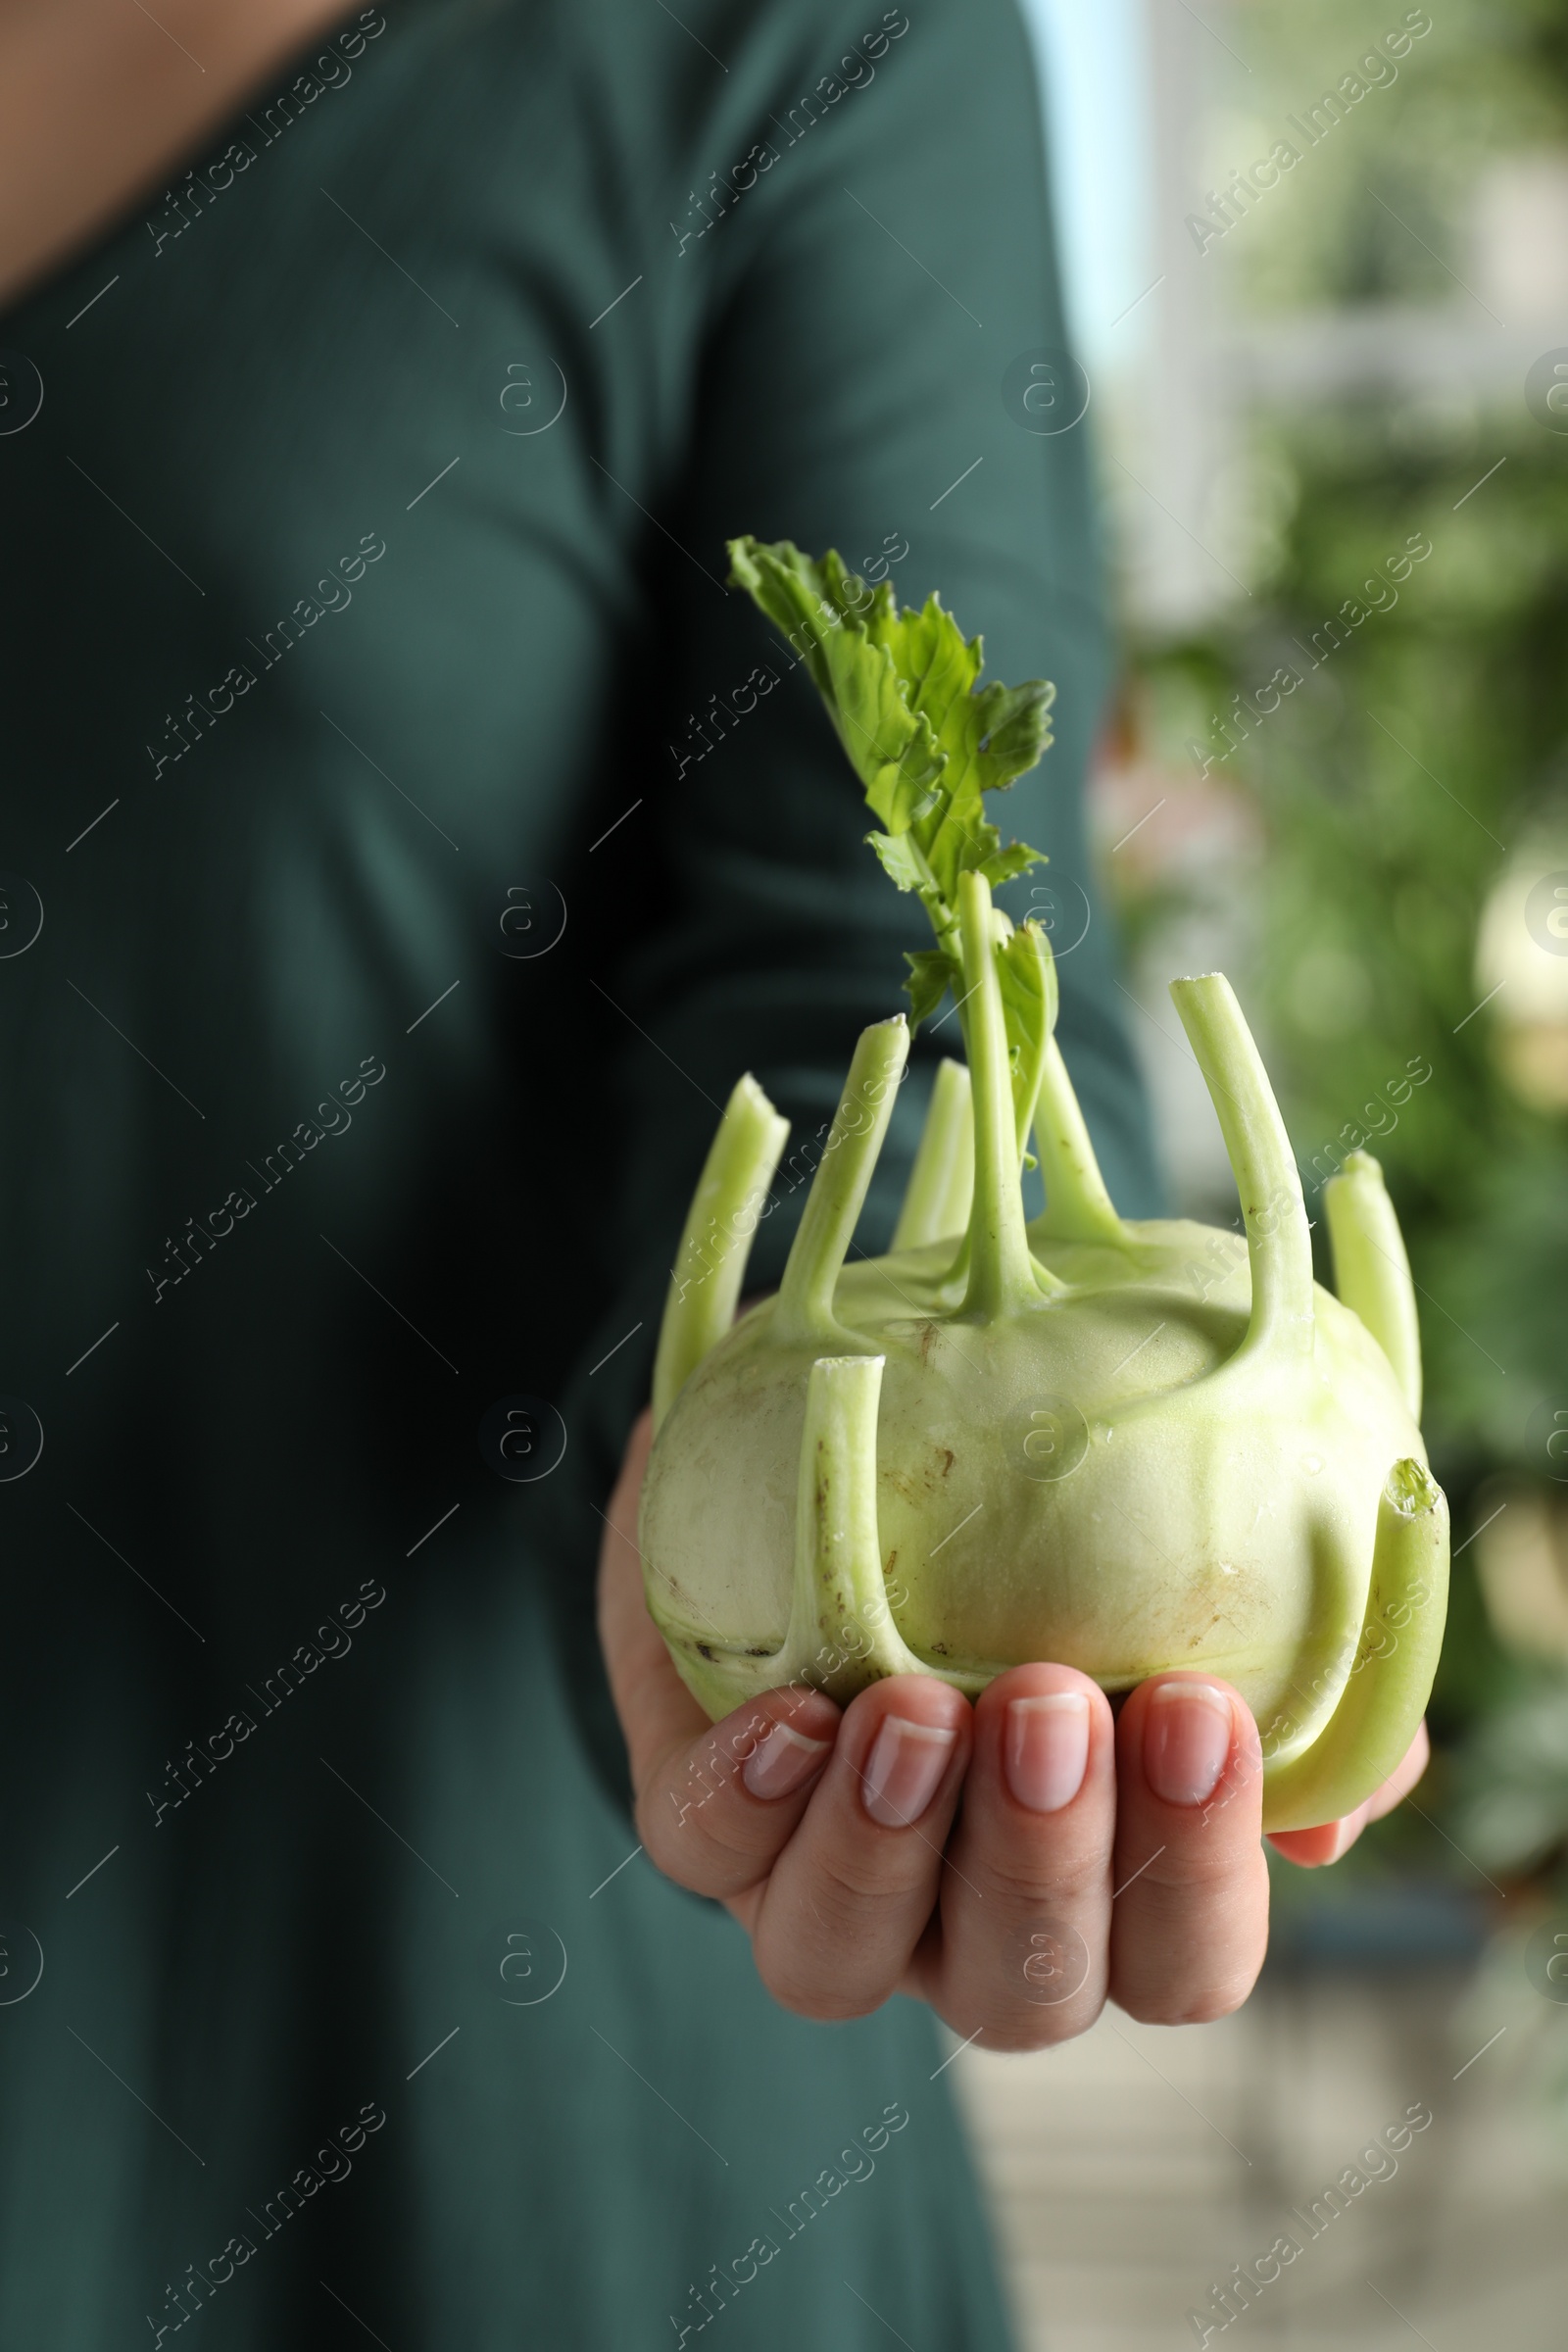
407 843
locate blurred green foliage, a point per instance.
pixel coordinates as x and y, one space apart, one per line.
1390 786
1422 752
1391 190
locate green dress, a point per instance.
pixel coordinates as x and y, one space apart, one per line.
422 843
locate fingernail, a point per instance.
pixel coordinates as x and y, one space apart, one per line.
780 1763
1047 1749
1186 1738
905 1769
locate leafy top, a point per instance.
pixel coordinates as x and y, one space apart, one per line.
927 742
924 739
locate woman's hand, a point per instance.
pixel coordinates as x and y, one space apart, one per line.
1092 1857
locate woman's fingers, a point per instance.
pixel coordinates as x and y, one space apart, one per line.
853 1891
716 1812
715 1802
1399 1782
825 1837
1091 1856
1190 1920
1311 1850
1026 1900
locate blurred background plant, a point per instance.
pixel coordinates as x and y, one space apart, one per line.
1331 401
1341 764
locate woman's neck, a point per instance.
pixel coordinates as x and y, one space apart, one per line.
100 98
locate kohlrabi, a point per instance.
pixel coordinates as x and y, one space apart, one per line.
1127 1447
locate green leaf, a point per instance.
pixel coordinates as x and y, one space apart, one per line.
931 975
928 742
823 612
905 867
903 690
986 736
1005 865
1027 972
902 861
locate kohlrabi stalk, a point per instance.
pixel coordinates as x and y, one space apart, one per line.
706 1282
1261 1161
1123 1445
805 1312
1001 1275
941 1186
1078 1207
840 1621
1391 1673
1371 1271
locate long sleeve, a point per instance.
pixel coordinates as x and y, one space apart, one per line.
366 604
863 301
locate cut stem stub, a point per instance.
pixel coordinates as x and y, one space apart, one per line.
1389 1680
805 1309
941 1186
705 1285
1278 1245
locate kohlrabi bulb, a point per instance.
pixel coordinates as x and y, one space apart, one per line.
1122 1447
